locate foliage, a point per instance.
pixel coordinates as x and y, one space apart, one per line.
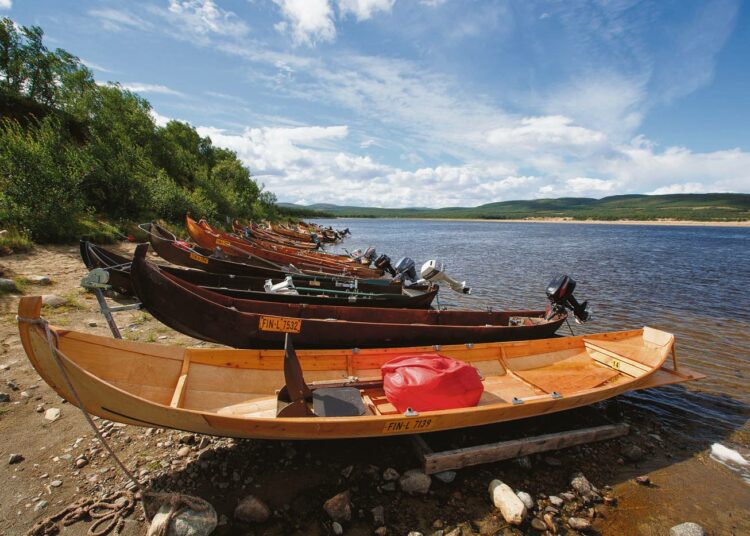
73 152
12 241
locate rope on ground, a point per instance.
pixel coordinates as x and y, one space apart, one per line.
107 514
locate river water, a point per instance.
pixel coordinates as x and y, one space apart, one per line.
691 281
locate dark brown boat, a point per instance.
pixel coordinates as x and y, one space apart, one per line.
234 322
312 290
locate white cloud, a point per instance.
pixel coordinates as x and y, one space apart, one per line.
6 4
551 130
137 87
160 120
95 67
687 188
203 17
364 9
309 21
117 20
588 185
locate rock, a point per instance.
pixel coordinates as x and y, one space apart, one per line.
8 285
446 476
583 487
415 482
555 500
81 462
390 474
549 521
609 500
56 483
52 414
252 510
188 439
4 397
524 462
578 523
378 516
337 528
415 533
538 524
339 507
12 385
15 458
633 453
505 500
41 505
53 300
38 279
687 529
181 520
183 451
381 531
568 496
643 480
390 486
346 472
92 323
204 442
526 499
39 408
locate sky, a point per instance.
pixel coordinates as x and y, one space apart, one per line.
433 103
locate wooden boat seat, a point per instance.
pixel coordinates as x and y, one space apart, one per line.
574 373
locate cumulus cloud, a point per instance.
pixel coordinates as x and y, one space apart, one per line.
204 17
552 130
364 9
6 4
308 21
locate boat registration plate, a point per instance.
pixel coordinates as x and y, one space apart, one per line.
407 425
280 323
222 242
199 258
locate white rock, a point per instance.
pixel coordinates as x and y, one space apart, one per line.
526 499
52 414
555 500
53 300
185 522
337 528
578 523
687 529
39 279
505 500
390 474
446 476
415 481
252 510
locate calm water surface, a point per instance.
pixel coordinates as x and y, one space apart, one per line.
691 281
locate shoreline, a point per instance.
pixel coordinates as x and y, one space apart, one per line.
665 223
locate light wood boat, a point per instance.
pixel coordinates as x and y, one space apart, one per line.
232 393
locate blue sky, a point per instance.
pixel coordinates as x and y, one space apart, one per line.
437 102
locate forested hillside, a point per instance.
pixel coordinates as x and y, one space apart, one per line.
74 153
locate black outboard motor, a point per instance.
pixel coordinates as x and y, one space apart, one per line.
384 263
405 269
560 294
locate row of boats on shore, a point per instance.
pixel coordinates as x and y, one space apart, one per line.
364 329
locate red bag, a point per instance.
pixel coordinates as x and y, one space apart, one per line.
427 382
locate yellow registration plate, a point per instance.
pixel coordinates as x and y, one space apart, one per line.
410 425
222 242
199 258
280 323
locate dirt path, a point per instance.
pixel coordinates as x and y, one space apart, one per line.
296 478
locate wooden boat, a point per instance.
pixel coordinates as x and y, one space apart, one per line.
297 235
237 323
310 289
264 237
232 393
238 249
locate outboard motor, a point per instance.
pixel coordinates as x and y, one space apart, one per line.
434 271
405 269
356 254
285 287
384 263
560 294
315 239
368 256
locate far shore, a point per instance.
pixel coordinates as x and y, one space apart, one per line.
674 223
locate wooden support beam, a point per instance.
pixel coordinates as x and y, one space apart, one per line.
436 462
179 391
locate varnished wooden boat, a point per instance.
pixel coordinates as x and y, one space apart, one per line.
232 393
311 289
239 249
265 236
222 319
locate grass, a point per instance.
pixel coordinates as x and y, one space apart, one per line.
14 241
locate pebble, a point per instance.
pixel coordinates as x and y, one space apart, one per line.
8 285
505 500
4 397
252 510
12 385
526 499
687 529
38 279
378 515
339 507
415 533
390 486
552 462
381 531
41 505
583 487
446 476
549 520
568 496
643 480
81 462
183 451
337 528
53 300
538 524
415 482
52 414
555 500
204 442
56 483
633 453
15 458
578 523
524 462
92 323
390 474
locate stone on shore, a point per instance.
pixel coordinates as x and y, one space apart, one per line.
578 523
526 499
390 474
378 516
504 498
183 522
339 507
8 285
252 510
538 524
337 528
4 397
38 279
555 500
15 458
583 487
415 482
687 529
633 453
52 414
53 300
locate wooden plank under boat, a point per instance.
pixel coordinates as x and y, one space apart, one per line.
232 393
234 322
310 289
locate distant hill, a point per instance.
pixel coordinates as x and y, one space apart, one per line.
698 207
